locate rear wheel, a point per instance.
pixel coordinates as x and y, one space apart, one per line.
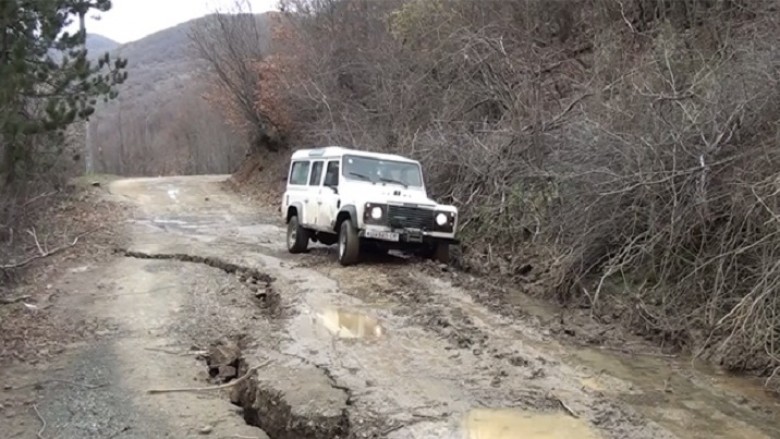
349 244
297 236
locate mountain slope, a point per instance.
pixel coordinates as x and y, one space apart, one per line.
98 44
160 124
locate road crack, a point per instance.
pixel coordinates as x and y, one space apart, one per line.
261 284
211 261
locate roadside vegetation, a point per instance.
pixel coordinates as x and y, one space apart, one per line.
49 85
616 155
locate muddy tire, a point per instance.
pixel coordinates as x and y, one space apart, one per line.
349 244
297 236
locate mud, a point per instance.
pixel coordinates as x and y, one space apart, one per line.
345 324
508 424
391 348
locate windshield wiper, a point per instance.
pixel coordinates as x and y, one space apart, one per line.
390 180
359 175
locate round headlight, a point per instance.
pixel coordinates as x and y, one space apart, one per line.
441 219
376 213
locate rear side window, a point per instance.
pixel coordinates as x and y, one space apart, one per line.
299 173
332 174
316 173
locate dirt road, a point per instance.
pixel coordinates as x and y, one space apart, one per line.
388 348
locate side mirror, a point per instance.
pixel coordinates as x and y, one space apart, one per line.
335 189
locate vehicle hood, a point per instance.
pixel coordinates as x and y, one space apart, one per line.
393 194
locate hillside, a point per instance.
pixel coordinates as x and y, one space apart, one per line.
160 123
98 44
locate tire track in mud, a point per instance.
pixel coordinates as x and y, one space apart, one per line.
518 376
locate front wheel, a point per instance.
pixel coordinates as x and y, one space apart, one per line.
297 236
349 244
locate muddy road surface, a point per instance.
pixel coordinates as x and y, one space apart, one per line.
205 294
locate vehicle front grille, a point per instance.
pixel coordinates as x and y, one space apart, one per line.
410 217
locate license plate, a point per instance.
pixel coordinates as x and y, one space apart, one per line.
414 236
384 236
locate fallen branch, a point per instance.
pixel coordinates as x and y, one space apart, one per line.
179 353
567 408
42 255
54 380
14 300
219 387
43 421
38 197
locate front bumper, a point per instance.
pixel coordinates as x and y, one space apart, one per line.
405 236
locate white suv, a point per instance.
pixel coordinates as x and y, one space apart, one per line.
364 202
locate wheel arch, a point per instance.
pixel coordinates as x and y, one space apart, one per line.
294 209
348 211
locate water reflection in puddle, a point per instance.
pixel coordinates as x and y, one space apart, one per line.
513 424
346 324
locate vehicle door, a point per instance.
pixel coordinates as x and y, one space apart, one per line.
313 193
297 187
329 197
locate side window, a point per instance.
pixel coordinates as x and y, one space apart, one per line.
316 174
299 173
332 174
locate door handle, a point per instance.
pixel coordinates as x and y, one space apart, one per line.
306 200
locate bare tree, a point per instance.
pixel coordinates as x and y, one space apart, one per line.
233 44
625 150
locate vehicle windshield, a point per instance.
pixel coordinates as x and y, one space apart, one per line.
382 171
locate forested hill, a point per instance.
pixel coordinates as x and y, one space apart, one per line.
162 122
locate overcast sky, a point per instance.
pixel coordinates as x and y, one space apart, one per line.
130 20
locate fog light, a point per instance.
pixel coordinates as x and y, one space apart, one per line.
376 213
441 219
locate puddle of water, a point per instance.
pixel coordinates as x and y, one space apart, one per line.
513 424
345 324
691 402
702 408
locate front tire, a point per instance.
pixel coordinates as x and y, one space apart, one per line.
297 236
349 244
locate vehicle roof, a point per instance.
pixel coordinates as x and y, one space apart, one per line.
338 151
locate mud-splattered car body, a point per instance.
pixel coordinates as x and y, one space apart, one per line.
363 201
